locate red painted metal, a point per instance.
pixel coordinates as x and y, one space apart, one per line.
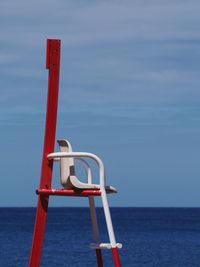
116 257
53 64
45 190
99 258
68 192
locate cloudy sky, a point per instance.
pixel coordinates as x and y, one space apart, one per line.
129 92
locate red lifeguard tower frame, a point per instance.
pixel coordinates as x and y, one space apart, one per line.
76 188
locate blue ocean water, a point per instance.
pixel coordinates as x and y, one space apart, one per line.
152 237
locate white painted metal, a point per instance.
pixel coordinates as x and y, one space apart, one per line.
68 177
95 228
82 155
104 246
73 182
108 217
102 185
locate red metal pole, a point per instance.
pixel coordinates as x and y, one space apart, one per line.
53 64
99 258
116 257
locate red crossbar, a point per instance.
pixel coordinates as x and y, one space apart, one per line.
64 192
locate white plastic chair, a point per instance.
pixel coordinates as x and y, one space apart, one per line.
69 181
68 177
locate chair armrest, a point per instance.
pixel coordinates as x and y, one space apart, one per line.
99 162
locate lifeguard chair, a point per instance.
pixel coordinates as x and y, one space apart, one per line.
71 185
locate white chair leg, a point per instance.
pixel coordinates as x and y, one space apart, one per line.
95 229
108 218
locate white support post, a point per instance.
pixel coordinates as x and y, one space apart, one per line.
95 228
108 218
102 186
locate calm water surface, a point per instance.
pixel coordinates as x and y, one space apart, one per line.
163 237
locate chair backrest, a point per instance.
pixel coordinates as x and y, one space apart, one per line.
67 168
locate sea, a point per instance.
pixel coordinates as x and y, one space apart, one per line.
151 237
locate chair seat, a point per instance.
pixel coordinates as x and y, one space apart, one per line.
75 184
73 192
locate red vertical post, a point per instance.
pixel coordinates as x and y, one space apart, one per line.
53 65
99 258
116 257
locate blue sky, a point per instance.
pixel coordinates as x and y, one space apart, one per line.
129 92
